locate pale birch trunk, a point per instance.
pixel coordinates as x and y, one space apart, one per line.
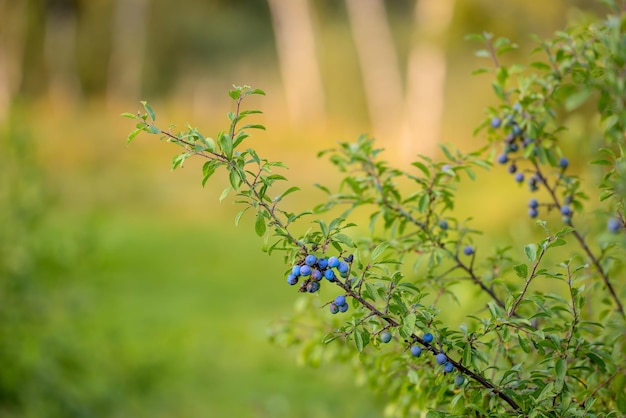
426 78
12 38
127 50
300 71
379 66
60 54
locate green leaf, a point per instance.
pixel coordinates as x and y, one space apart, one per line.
361 339
225 193
521 270
254 91
285 193
344 239
240 214
132 135
531 252
523 343
235 94
149 110
380 248
226 145
129 115
259 224
557 243
253 127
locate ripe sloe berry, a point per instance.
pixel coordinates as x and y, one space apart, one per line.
468 250
310 260
448 367
385 336
333 262
613 225
305 270
428 337
316 274
441 358
292 279
416 351
322 263
566 210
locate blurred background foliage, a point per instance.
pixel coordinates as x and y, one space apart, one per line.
125 288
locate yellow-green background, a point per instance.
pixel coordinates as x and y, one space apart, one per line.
149 302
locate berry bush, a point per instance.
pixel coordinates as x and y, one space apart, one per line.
550 339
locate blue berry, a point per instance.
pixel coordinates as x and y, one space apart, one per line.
468 250
322 263
519 177
563 163
333 308
416 351
385 336
310 260
613 225
343 308
448 367
517 131
340 300
343 267
566 210
295 270
305 270
329 274
512 148
333 262
316 274
533 203
512 168
533 212
459 379
428 337
292 279
503 158
443 224
441 358
313 287
496 123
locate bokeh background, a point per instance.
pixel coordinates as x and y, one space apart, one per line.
125 288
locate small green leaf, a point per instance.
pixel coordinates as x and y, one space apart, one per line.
523 343
240 214
521 270
379 250
149 110
132 135
129 115
235 94
259 224
531 252
255 91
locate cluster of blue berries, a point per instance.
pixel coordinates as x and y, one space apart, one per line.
340 304
440 358
312 270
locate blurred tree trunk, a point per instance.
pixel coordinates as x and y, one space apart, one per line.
299 66
128 46
426 77
12 39
60 51
379 65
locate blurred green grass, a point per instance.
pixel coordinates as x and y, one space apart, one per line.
189 305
